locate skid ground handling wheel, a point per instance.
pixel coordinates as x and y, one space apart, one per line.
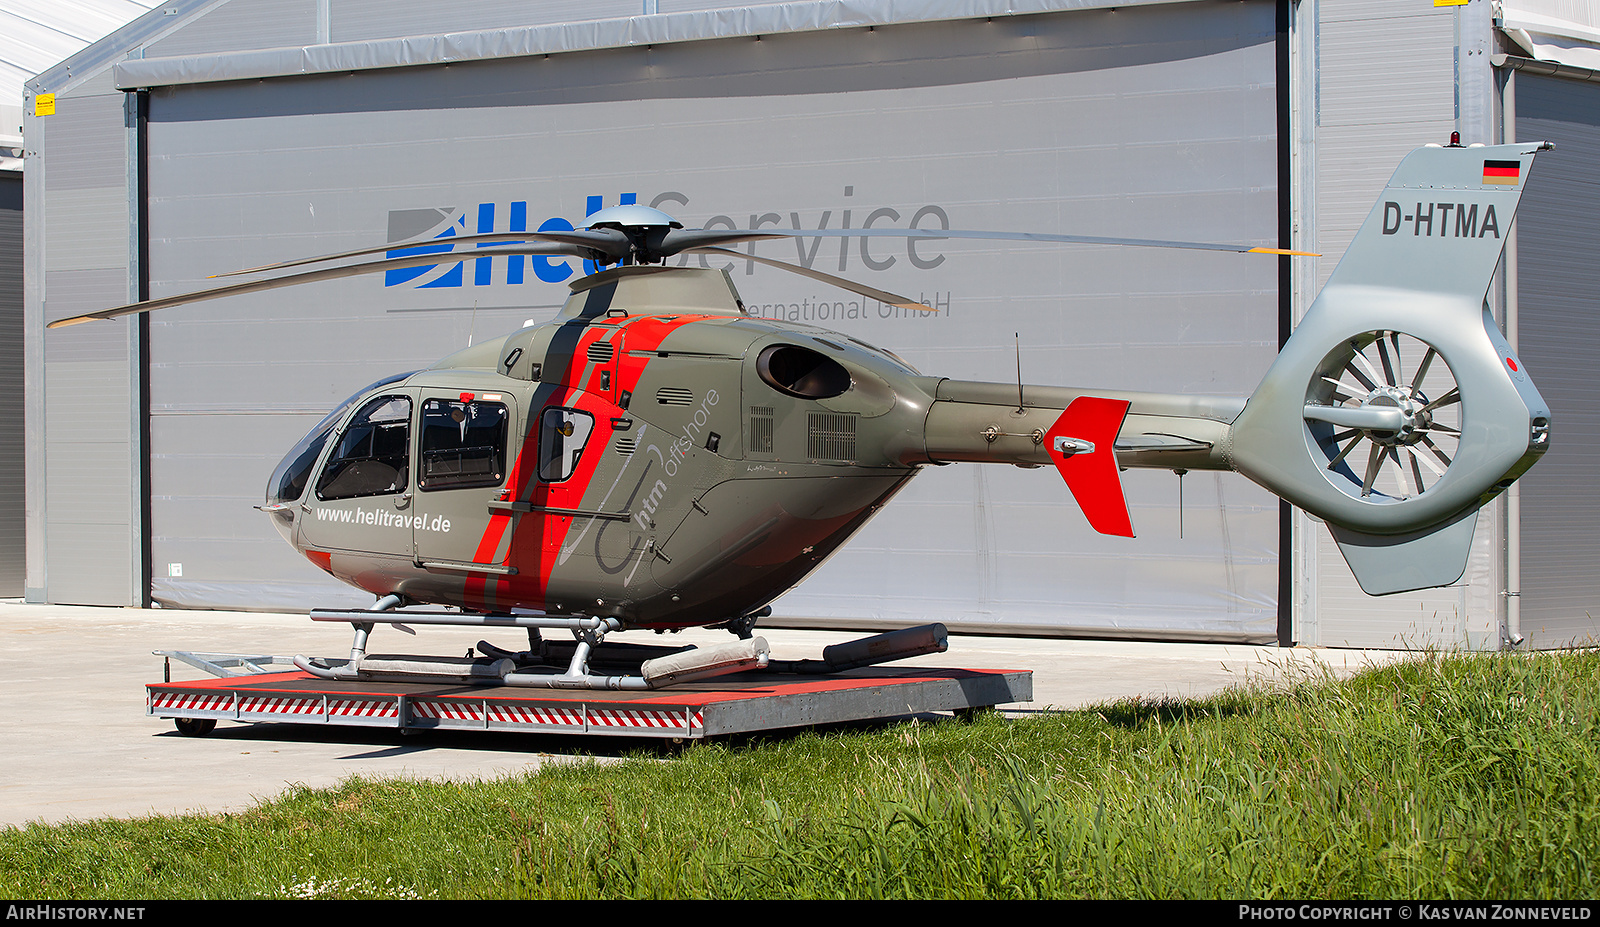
195 727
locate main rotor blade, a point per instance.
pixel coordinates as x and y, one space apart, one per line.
609 242
679 240
860 289
310 276
614 244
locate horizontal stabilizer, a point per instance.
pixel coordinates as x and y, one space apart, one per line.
1385 564
1082 445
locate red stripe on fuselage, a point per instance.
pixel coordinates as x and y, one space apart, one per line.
646 334
537 535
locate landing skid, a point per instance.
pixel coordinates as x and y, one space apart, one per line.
579 665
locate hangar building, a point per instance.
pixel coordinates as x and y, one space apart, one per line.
211 135
32 37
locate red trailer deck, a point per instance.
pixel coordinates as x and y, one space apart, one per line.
742 703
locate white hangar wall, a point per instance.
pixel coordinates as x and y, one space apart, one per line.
1143 119
12 496
1360 102
1362 108
1149 117
273 133
1558 329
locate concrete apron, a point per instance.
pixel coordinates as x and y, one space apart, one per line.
79 745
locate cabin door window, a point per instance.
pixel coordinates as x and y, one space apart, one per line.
463 444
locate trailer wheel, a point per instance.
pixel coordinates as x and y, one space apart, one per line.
195 727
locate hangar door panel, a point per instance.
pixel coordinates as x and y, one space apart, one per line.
1558 276
12 579
1145 122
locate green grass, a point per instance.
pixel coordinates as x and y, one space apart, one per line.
1444 777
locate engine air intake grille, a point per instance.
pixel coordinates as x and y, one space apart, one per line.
761 429
831 436
675 396
601 352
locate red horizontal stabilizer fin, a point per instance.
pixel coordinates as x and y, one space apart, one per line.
1091 474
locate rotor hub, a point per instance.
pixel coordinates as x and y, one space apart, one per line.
643 227
1412 404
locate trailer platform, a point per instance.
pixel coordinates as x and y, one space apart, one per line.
736 704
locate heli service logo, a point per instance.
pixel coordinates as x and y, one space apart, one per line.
443 224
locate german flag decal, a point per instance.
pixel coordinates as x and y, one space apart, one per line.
1505 173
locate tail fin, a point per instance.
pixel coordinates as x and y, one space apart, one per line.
1082 443
1397 409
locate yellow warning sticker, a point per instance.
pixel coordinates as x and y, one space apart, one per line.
1450 2
44 104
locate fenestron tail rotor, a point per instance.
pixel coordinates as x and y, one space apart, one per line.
1397 409
1384 411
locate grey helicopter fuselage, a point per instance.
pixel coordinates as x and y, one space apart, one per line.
653 454
657 455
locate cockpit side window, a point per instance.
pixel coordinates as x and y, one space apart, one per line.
288 481
562 436
463 444
373 454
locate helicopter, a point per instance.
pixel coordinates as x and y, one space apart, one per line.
657 457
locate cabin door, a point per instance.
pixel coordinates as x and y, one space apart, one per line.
464 450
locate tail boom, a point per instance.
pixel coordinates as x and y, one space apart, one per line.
1087 436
